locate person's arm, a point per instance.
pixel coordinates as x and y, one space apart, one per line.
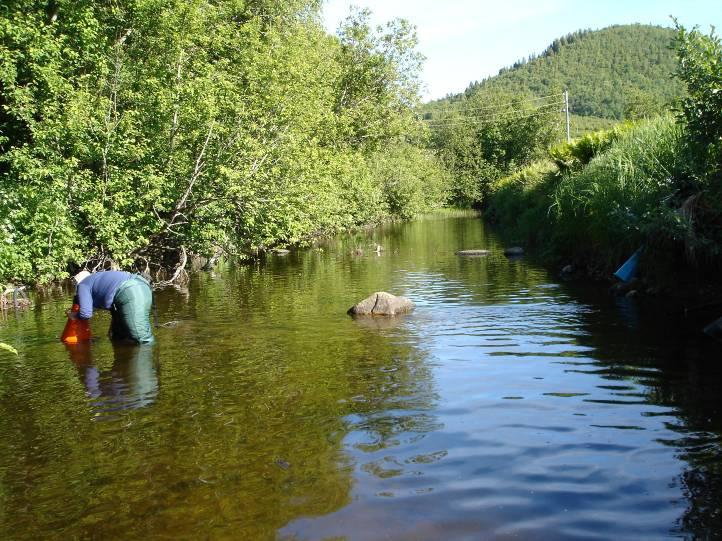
85 301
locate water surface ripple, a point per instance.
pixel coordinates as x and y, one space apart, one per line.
508 405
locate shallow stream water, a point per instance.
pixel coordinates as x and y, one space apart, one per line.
509 405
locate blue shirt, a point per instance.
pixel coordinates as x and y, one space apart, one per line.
98 291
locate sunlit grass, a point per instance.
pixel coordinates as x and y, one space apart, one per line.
602 210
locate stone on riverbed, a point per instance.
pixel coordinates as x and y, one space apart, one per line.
381 304
472 252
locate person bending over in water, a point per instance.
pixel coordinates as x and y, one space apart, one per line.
127 296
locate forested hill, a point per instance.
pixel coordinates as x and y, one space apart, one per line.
604 71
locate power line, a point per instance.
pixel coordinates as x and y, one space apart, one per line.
510 105
506 108
494 114
543 97
502 113
472 120
497 106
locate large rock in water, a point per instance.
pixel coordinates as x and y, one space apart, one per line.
381 304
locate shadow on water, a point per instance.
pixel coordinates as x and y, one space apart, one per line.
644 341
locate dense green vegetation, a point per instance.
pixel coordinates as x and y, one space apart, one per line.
656 183
490 137
133 132
592 202
581 125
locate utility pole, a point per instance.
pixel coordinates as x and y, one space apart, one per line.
566 111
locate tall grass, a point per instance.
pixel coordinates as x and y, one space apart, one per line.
606 210
625 194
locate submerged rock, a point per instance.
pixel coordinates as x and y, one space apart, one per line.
380 323
621 289
513 251
381 304
472 252
283 464
280 251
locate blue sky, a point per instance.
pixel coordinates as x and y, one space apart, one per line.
466 40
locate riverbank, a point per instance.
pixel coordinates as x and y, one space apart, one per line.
650 186
596 201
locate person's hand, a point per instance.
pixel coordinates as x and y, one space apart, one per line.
71 314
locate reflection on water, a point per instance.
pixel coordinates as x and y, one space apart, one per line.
508 405
131 383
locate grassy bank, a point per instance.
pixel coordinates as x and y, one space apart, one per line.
594 202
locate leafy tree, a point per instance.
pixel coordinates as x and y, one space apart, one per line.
641 104
378 80
134 132
700 68
413 180
490 137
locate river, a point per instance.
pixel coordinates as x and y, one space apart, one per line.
508 405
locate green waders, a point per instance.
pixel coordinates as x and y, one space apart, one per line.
130 312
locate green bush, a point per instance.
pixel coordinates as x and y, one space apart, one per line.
700 69
413 181
519 203
573 156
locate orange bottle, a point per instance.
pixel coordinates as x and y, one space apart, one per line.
76 330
